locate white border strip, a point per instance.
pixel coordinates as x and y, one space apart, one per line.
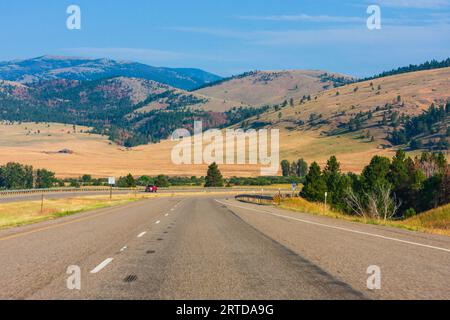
102 265
340 228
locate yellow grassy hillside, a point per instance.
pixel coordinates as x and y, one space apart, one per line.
268 87
313 141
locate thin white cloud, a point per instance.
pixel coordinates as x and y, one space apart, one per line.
225 33
305 18
417 4
409 36
154 55
150 56
389 37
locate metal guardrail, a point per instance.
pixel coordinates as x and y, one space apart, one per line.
255 190
254 198
6 193
263 199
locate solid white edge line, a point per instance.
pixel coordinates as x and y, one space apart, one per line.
340 228
140 235
102 265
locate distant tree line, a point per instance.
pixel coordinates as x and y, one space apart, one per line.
429 65
296 169
385 189
15 176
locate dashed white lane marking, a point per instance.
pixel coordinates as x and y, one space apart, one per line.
158 222
166 214
140 235
102 265
172 209
123 249
339 228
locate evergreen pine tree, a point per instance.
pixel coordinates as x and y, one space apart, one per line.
302 168
315 186
213 177
285 168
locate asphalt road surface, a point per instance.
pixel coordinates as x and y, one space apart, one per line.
69 194
218 248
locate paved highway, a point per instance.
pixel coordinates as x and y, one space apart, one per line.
214 247
70 194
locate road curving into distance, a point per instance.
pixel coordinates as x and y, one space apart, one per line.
35 195
214 247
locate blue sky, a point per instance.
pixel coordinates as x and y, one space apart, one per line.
230 36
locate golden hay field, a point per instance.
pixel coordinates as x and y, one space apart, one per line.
352 152
94 154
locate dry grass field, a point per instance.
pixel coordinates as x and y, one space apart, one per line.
21 213
350 150
94 154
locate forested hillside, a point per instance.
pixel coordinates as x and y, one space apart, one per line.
117 107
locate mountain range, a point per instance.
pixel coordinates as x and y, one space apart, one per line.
136 104
54 67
